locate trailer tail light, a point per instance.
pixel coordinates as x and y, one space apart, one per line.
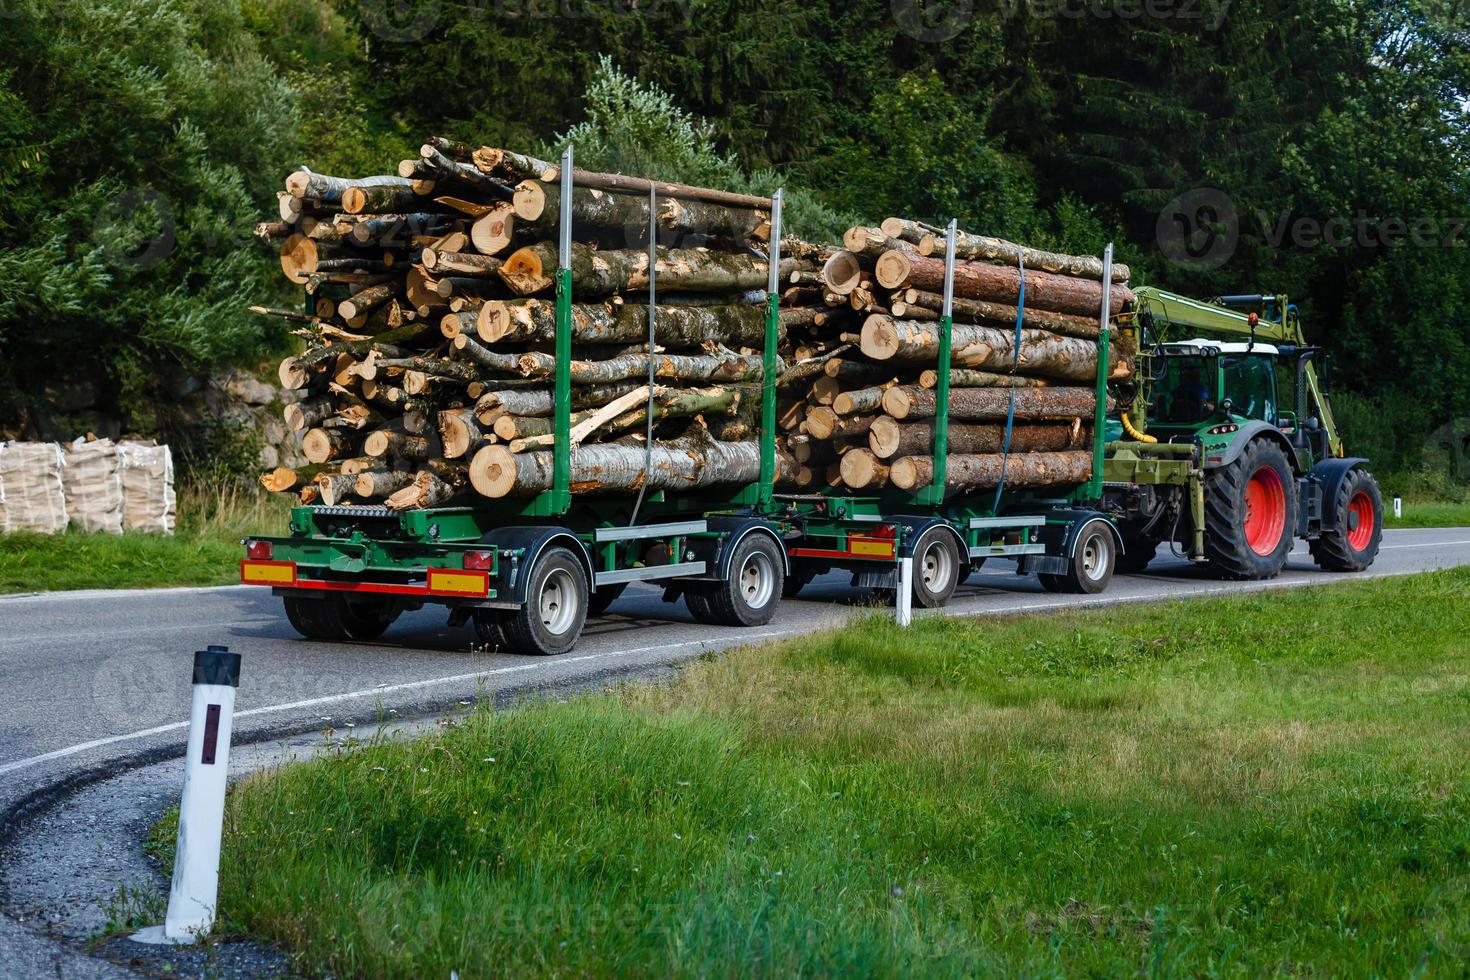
479 561
258 550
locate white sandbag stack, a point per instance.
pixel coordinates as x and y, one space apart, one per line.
30 485
93 485
147 472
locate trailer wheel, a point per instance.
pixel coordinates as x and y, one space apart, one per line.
316 619
1137 553
971 567
936 568
1090 569
1249 508
551 619
1353 543
604 596
751 590
367 619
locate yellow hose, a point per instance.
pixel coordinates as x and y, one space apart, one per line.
1133 433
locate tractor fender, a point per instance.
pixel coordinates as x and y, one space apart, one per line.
717 552
532 540
1330 473
917 527
1066 535
1249 432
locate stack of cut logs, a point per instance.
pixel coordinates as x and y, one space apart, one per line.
430 330
869 414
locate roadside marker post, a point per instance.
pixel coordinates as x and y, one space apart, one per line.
1398 506
194 892
905 614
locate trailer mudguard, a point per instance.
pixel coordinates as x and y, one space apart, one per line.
1330 473
1249 431
1064 536
531 541
916 527
715 552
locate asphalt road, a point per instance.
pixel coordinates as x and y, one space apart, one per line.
89 676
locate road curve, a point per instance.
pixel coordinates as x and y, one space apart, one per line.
90 676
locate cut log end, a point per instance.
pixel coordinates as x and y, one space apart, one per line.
892 269
842 273
493 471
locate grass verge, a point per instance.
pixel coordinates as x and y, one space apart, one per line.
1431 513
1262 783
204 551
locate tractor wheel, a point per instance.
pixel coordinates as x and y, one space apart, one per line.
750 592
604 597
1137 553
1092 563
1249 513
316 619
555 610
1353 543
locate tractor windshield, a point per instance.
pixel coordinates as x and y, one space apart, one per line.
1250 384
1184 393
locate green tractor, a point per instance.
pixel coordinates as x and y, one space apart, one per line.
1228 450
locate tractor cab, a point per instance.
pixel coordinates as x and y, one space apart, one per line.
1204 382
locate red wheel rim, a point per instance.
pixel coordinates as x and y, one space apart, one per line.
1362 505
1265 511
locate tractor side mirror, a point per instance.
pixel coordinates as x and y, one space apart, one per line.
1227 406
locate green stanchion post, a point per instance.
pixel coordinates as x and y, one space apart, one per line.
768 361
934 493
1100 410
561 450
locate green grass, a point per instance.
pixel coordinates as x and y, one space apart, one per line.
204 551
1428 514
1263 783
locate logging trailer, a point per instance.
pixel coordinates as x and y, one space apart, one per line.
528 573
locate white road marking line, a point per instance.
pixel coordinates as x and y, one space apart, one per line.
1427 544
718 643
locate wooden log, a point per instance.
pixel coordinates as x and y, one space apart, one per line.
334 487
292 374
538 206
326 190
512 427
608 272
399 196
356 464
642 185
470 349
460 432
724 365
537 401
619 467
312 412
1041 354
842 272
320 445
970 247
1001 315
461 263
889 438
428 489
969 378
988 404
861 470
998 284
284 478
401 444
873 242
509 166
859 400
621 323
365 301
979 471
374 484
823 423
494 231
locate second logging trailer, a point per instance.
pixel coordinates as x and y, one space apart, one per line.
528 573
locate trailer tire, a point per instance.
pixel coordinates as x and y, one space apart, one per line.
936 568
550 621
604 596
315 619
1091 566
751 590
1249 508
490 627
1344 549
367 619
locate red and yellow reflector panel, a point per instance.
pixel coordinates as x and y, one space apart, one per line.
870 547
449 581
268 572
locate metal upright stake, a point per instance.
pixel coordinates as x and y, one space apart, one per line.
561 400
1100 410
768 362
934 492
652 307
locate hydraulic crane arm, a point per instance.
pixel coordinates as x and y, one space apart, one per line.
1167 309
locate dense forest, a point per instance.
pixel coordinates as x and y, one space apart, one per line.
1315 147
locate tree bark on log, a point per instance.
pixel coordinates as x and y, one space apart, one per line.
460 432
860 469
284 478
969 378
598 273
965 472
400 444
618 467
509 166
1001 315
642 185
823 423
969 247
1042 354
889 438
723 366
622 323
375 484
538 402
426 490
859 400
322 445
333 487
988 404
873 242
462 263
998 284
324 189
